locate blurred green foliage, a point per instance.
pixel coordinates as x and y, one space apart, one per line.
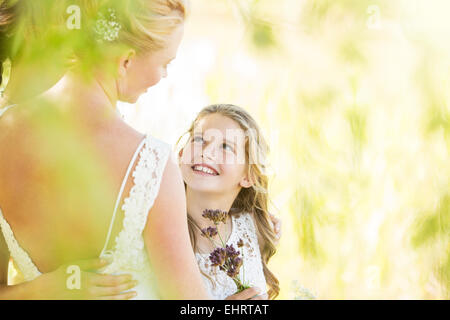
355 100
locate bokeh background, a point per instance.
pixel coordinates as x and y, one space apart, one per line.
353 97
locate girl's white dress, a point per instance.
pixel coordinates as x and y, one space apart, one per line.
221 285
128 254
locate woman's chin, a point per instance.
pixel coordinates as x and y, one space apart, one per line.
130 98
133 100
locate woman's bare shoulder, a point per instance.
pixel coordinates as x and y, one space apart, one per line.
122 134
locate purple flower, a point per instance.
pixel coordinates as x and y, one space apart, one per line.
232 272
226 258
233 262
218 257
231 252
237 262
215 216
209 232
234 267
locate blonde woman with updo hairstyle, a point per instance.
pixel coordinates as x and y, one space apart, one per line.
78 184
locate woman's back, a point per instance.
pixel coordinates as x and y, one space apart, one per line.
60 174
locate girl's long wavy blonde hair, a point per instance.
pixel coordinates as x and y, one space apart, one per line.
255 199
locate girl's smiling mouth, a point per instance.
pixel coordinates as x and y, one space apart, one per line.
204 169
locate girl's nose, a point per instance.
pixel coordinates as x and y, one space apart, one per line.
209 151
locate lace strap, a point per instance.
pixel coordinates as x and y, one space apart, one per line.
20 256
147 178
125 179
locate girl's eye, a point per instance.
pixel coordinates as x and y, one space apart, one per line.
197 139
227 147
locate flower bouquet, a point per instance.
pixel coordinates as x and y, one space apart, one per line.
224 256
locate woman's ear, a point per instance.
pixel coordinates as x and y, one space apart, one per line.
125 61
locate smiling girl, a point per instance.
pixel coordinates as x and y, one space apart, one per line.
223 167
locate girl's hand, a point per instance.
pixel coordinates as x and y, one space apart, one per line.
276 227
252 293
93 286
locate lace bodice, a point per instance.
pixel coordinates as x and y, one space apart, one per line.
251 272
128 254
22 260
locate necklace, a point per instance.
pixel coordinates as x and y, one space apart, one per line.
5 104
4 109
4 101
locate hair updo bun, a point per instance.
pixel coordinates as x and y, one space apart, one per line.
144 25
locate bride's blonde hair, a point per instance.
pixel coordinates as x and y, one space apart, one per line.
254 200
145 24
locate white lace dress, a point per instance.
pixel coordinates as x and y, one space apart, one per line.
128 254
251 272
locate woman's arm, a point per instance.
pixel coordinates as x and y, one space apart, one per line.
52 285
168 244
16 292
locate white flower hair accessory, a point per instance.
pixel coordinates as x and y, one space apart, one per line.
107 28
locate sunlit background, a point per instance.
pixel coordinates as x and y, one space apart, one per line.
353 96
